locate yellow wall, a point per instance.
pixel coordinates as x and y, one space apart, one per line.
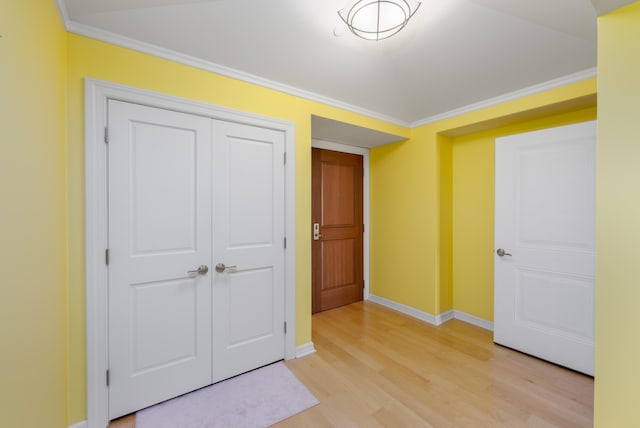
432 201
32 216
445 224
473 200
403 222
103 61
617 373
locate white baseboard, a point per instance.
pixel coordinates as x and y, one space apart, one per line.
445 316
412 312
81 424
305 349
430 318
472 319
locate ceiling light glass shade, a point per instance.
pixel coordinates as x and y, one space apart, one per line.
378 19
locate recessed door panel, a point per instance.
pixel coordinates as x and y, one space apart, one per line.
548 178
338 193
250 188
249 290
163 192
340 254
178 326
540 298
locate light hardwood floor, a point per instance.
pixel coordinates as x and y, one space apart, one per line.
375 367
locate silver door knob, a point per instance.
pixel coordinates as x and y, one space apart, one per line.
202 270
502 252
220 268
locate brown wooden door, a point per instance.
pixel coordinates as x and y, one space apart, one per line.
337 210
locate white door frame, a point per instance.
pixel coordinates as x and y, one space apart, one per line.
97 93
337 147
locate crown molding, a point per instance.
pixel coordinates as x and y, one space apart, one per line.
171 55
62 10
520 93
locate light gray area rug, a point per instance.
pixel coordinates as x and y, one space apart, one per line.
256 399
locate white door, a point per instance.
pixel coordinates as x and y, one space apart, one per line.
248 236
182 187
159 229
545 244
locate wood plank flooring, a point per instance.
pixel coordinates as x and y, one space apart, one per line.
375 367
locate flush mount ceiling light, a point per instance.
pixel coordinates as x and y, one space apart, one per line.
378 19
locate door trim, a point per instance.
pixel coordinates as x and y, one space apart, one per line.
97 93
328 145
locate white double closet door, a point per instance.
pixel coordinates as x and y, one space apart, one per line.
188 192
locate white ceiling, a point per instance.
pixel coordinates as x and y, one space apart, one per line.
452 54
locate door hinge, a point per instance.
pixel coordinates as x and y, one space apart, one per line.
107 378
106 257
285 242
363 228
285 327
285 158
363 284
106 135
